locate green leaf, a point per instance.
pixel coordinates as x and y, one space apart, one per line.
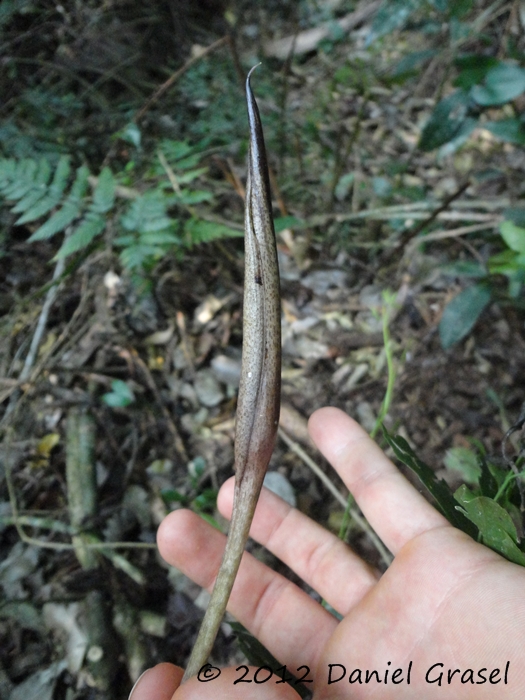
39 188
283 222
516 215
494 523
23 181
412 62
131 134
502 83
164 237
460 138
504 263
199 231
120 396
392 14
491 477
437 487
70 210
464 462
474 68
88 229
211 520
135 257
7 171
146 213
343 186
459 8
461 314
206 500
464 268
514 236
54 196
194 196
258 655
104 194
510 130
190 175
173 496
446 121
175 150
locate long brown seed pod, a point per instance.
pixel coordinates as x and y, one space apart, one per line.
260 388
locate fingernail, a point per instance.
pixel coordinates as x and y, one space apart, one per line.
137 682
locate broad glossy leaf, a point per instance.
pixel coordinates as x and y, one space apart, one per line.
464 462
131 134
412 62
514 236
461 314
516 215
511 130
258 655
437 487
392 15
474 68
284 222
121 395
464 268
446 121
502 83
494 523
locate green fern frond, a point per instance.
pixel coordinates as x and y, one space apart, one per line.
198 231
23 181
26 182
147 213
38 189
94 221
89 228
52 197
104 194
70 210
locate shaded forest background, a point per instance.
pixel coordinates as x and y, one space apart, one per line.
395 138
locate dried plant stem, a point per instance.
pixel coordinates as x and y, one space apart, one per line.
259 391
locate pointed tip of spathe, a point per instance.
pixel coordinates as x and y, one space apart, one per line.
250 73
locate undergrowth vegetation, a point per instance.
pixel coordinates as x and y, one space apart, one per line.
158 218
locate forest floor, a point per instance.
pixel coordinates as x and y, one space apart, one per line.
176 345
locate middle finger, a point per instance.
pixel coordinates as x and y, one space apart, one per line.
320 558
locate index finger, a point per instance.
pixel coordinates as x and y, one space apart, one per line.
392 506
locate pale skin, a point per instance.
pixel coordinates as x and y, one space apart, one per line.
445 598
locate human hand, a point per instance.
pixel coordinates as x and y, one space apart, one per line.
444 600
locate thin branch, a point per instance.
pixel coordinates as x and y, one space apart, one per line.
37 337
